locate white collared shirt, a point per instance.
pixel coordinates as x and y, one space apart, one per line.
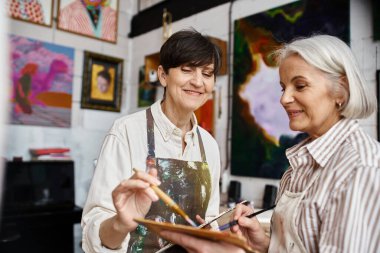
125 148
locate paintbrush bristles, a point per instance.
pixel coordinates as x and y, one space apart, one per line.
168 201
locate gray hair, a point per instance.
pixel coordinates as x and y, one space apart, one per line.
333 57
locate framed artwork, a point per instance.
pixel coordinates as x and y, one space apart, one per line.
260 126
38 12
378 105
102 82
205 114
42 79
94 19
147 91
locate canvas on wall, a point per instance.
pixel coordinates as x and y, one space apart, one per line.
33 11
260 126
91 18
42 77
146 90
205 115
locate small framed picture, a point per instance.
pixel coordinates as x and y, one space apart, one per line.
95 19
378 101
102 82
38 12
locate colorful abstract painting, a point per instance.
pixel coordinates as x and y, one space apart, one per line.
260 126
42 77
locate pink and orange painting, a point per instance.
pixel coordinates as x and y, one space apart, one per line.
42 77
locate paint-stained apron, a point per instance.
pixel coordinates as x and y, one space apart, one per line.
187 183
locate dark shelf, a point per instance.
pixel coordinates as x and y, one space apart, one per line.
151 18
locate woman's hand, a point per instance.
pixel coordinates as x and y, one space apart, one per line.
250 228
133 197
196 245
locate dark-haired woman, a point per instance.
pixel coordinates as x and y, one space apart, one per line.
166 143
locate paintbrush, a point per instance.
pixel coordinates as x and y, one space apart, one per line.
169 202
235 222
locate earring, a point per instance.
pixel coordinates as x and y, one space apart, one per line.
340 105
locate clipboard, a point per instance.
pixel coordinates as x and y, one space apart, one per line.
169 245
197 232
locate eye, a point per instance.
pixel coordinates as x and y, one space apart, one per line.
300 86
186 69
208 74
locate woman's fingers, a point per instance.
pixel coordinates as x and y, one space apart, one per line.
150 177
131 186
199 219
241 210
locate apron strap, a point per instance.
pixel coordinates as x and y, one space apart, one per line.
150 133
203 153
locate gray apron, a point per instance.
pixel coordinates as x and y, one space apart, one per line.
284 237
187 183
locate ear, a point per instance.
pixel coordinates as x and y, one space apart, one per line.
162 75
341 100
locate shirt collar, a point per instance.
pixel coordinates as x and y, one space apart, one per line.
324 147
166 128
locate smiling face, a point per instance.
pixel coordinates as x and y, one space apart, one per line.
187 87
307 98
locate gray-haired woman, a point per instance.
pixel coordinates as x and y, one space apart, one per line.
328 198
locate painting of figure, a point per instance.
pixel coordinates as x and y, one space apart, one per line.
91 18
42 76
102 82
260 126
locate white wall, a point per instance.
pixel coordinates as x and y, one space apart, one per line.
89 126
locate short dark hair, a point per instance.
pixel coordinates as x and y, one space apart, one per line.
189 47
105 74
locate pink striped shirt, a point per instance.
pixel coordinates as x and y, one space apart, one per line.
341 211
75 18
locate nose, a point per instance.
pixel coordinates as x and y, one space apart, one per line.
197 78
287 97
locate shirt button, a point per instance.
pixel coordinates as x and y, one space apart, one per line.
291 244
